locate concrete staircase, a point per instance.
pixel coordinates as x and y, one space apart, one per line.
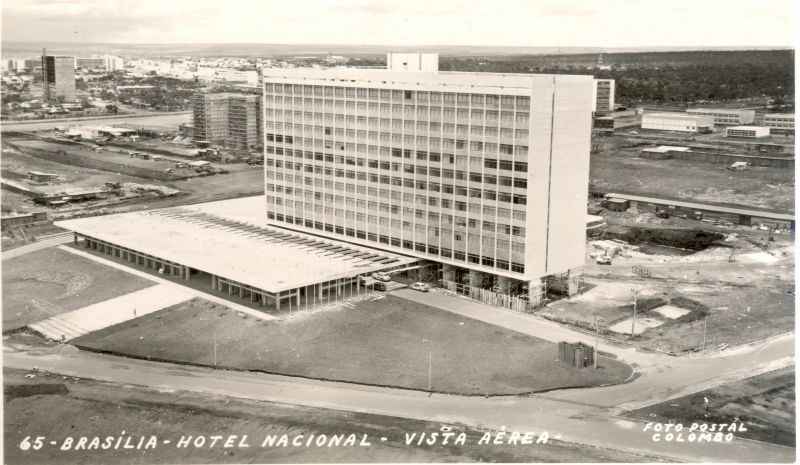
71 325
57 329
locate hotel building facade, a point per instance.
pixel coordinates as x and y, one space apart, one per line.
483 174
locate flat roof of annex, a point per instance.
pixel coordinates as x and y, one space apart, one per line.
441 81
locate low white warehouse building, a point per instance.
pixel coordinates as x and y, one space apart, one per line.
677 122
749 132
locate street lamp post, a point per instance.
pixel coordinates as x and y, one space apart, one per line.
596 339
633 321
430 366
430 369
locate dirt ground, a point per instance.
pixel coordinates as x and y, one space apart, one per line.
764 403
743 301
242 180
130 165
16 164
758 187
90 408
383 342
51 281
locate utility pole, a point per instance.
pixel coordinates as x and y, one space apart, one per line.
705 326
633 321
596 340
430 366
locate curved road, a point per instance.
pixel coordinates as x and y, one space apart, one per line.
566 419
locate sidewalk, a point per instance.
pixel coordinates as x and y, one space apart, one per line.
523 323
76 323
58 239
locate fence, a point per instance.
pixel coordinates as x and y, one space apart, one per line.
518 304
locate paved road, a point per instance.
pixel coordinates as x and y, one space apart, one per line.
146 119
38 245
563 420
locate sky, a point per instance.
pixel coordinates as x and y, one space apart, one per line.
530 23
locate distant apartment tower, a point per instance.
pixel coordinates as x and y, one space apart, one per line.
210 116
726 116
484 174
113 63
244 113
779 123
58 77
227 119
603 97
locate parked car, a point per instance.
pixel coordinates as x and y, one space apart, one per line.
604 260
422 287
381 276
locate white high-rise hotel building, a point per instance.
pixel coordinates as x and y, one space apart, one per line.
483 173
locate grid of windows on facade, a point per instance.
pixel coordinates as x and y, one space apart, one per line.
440 173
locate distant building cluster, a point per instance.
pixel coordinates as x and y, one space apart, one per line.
739 123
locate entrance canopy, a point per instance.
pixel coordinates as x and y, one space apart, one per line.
230 239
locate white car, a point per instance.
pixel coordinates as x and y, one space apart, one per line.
422 287
381 276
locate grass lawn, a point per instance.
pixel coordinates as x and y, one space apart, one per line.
47 282
764 403
40 406
383 342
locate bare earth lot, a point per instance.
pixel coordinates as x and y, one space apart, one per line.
81 407
385 342
764 403
16 163
747 300
50 281
759 187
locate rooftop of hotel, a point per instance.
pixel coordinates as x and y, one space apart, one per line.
444 80
231 239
